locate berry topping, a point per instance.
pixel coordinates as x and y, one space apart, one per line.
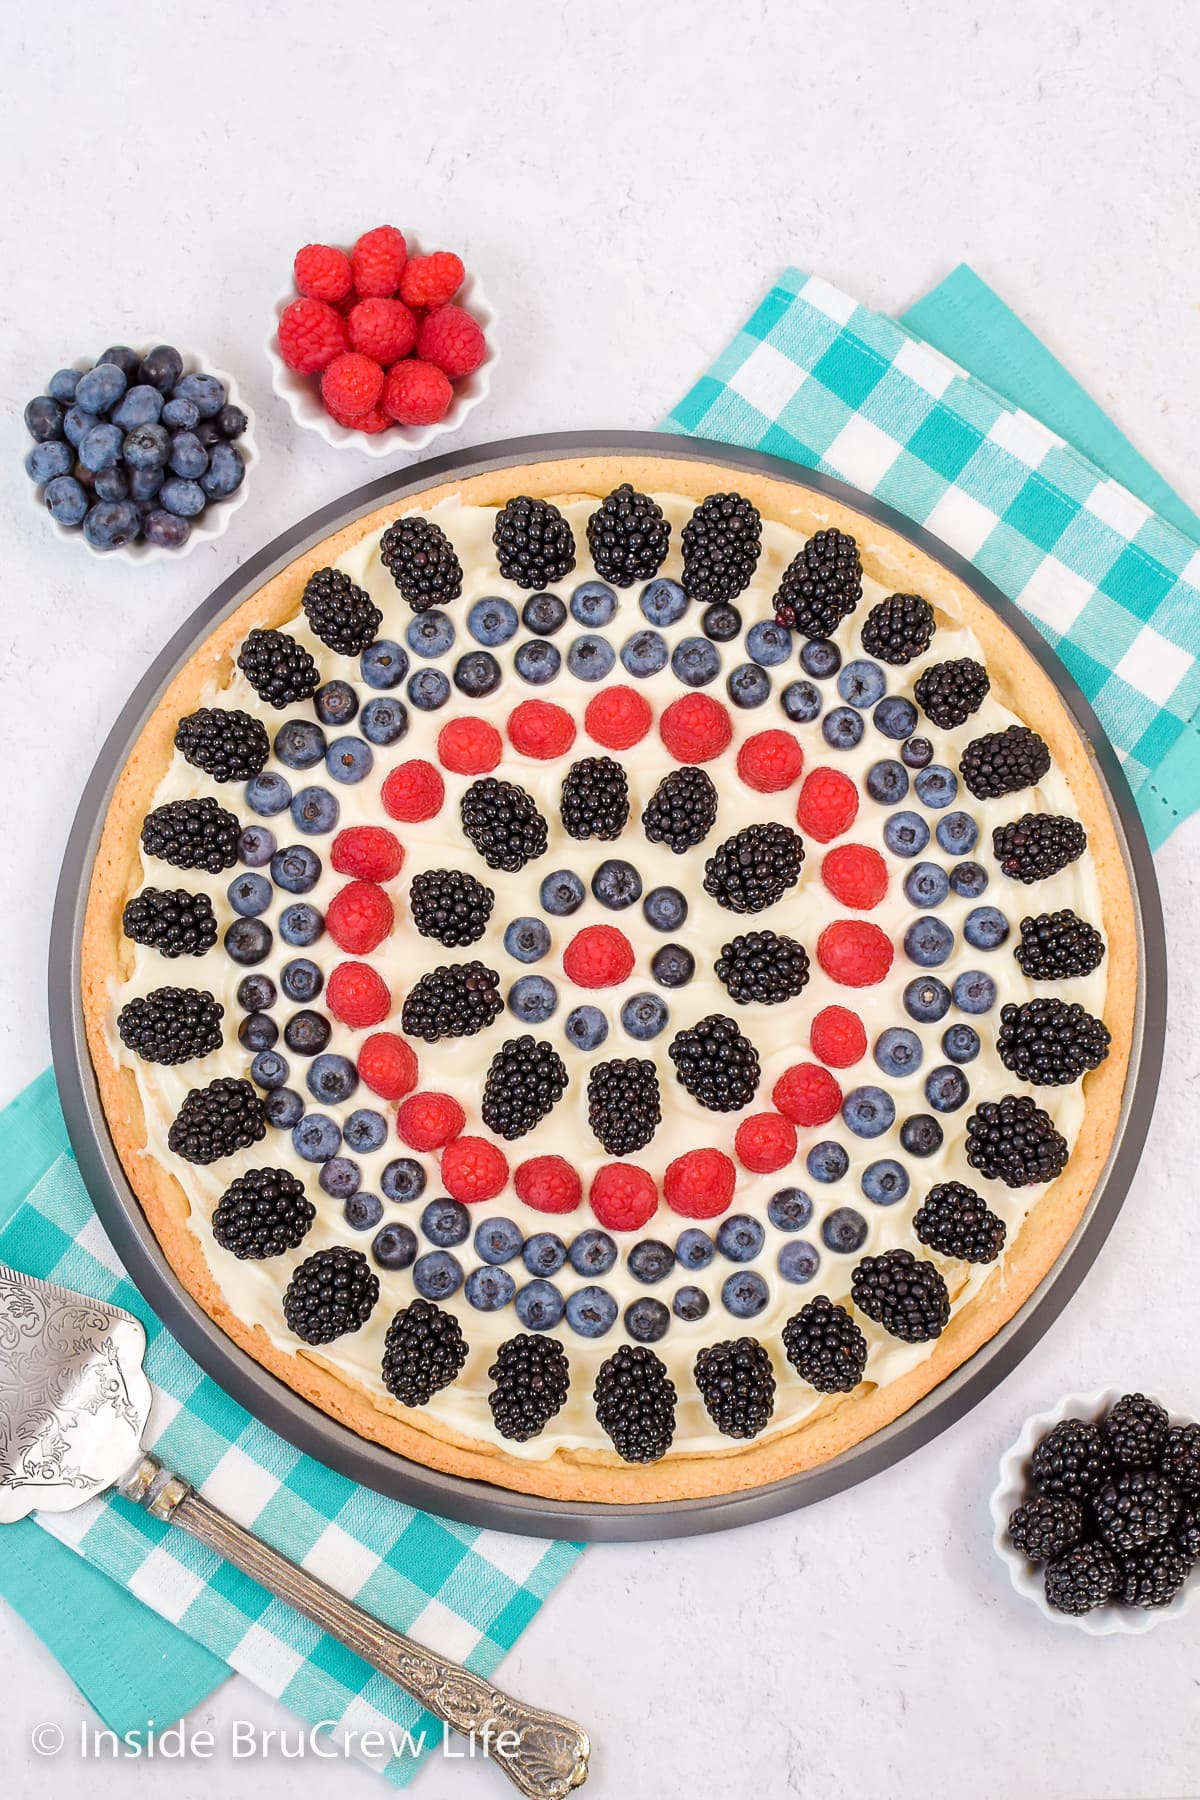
721 543
737 1386
898 629
1001 762
311 334
503 823
171 921
280 670
764 967
216 1120
453 1000
413 792
1136 1428
171 1025
469 746
949 692
717 1065
331 1293
229 746
359 917
828 804
807 1094
699 1184
450 906
1047 1042
263 1213
595 799
765 1142
549 1184
473 1169
617 718
532 1377
533 543
821 585
598 956
695 728
623 1197
770 761
387 1065
855 875
825 1347
854 952
754 868
1055 946
954 1221
342 615
540 729
421 561
838 1037
192 834
1047 1527
367 852
424 1351
628 537
1081 1580
682 810
526 1079
1037 845
907 1297
635 1403
624 1108
358 995
429 1121
1013 1140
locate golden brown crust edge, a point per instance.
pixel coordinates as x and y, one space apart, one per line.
596 1476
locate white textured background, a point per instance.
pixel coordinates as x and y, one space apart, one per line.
628 178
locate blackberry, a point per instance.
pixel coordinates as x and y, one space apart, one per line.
533 542
423 1353
1134 1509
1152 1577
737 1386
1037 845
503 823
825 1347
595 798
635 1403
682 810
280 670
192 834
628 537
264 1213
721 543
1047 1527
1186 1530
754 868
1057 945
898 628
331 1292
343 616
623 1103
171 1025
216 1120
1001 762
716 1064
1081 1580
421 561
1137 1430
949 692
1073 1458
1180 1460
451 906
229 746
532 1376
454 1000
907 1297
762 966
1013 1140
954 1221
821 585
171 921
1047 1042
525 1080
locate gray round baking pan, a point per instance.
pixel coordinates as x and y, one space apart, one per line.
477 1503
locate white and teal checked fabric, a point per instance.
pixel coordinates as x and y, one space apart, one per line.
465 1592
818 379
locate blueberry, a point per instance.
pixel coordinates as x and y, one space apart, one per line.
798 1261
299 743
842 728
586 1027
231 421
926 884
884 1182
349 760
66 500
644 1016
544 1253
181 415
868 1111
77 423
430 633
111 484
314 811
957 834
593 1252
673 966
111 524
721 622
665 908
270 1070
144 485
209 432
335 703
256 846
127 360
646 1320
590 658
527 940
644 654
437 1275
895 717
694 1249
936 786
100 449
316 1138
790 1209
690 1303
927 1000
62 385
845 1230
477 674
250 895
617 884
141 406
827 1162
744 1293
256 993
492 622
650 1261
961 1043
301 980
887 782
543 614
446 1223
188 456
532 999
947 1088
258 1031
928 942
207 393
539 1305
44 419
591 1311
340 1177
365 1130
183 498
331 1077
395 1247
225 473
101 388
740 1238
917 753
537 662
861 683
768 643
268 793
487 1290
968 879
307 1033
898 1051
403 1180
663 602
161 367
284 1108
165 529
801 701
748 686
695 662
561 893
497 1240
974 992
383 664
985 928
296 869
593 603
248 941
820 658
301 924
921 1135
148 447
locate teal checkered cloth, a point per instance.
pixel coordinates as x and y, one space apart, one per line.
465 1592
1115 589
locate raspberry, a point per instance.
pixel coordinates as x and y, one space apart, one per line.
416 393
359 917
618 718
695 728
371 423
807 1094
765 1142
351 385
623 1196
473 1169
452 340
838 1037
854 952
384 329
311 334
323 273
368 852
856 875
699 1184
431 280
469 746
549 1184
598 956
358 995
388 1065
828 804
378 261
770 761
429 1121
413 792
536 728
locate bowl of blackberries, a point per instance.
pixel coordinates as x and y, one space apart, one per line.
142 453
1097 1512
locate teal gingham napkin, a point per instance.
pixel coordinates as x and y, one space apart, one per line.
465 1592
1115 589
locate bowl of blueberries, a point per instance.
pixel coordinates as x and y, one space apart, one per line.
141 454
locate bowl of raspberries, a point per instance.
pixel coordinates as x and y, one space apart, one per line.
1097 1512
381 347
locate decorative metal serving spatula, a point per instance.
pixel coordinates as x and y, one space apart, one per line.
74 1401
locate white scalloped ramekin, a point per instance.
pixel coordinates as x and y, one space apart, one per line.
1014 1489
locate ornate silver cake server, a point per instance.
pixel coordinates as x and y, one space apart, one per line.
74 1401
